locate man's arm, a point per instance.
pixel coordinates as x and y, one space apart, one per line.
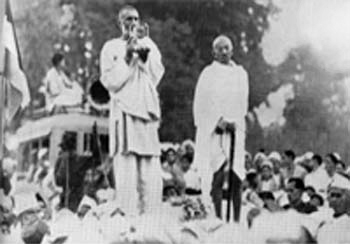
224 125
156 67
115 71
52 84
245 91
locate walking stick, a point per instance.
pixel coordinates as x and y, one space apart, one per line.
231 157
97 154
67 193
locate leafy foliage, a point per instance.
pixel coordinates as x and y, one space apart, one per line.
184 31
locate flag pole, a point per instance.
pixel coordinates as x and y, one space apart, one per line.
2 79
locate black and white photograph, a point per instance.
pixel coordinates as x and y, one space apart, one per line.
174 121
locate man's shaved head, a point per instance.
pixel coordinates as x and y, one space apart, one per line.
128 17
220 40
222 49
124 10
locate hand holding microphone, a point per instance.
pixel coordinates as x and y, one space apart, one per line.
134 45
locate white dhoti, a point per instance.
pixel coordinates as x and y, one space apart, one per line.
221 94
138 183
136 164
213 151
134 123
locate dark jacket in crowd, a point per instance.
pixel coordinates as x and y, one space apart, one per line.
302 207
70 170
5 183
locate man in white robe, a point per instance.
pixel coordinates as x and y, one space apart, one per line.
337 230
58 89
131 79
220 104
318 177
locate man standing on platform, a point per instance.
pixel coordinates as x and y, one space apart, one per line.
220 107
131 69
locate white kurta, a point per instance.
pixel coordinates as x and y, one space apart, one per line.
319 180
134 122
221 92
336 231
133 92
60 90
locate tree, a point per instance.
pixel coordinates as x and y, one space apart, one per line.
37 33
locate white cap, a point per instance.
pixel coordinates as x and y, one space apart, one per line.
42 152
337 156
340 182
220 39
299 160
259 156
251 171
308 155
267 163
8 165
188 142
275 155
47 163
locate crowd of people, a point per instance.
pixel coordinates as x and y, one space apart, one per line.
131 197
309 192
313 186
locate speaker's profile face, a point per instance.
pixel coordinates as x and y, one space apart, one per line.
129 18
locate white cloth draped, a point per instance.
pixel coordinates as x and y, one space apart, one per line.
221 93
134 86
336 231
133 93
319 180
134 123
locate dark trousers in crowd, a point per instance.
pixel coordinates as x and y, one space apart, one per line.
218 194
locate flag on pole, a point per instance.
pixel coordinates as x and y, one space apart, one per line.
17 91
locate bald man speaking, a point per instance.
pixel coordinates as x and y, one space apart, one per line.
220 107
131 69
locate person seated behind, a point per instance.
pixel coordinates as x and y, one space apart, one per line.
59 90
266 180
170 159
94 181
336 230
248 162
169 189
250 187
340 168
269 201
318 177
287 166
310 191
276 159
259 158
180 168
316 200
295 189
72 179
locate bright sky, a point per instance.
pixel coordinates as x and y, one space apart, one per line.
324 25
